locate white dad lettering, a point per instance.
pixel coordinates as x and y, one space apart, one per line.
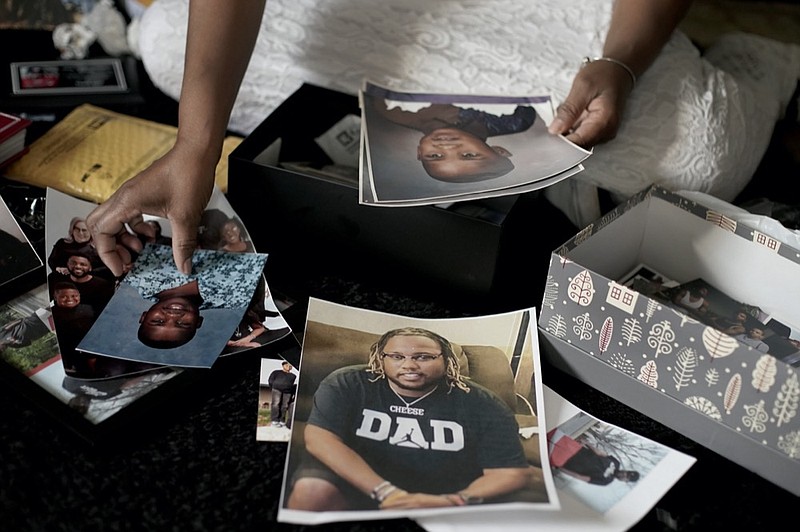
406 432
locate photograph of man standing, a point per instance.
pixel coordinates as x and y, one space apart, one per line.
283 389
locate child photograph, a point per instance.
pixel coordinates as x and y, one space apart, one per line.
221 312
436 146
161 316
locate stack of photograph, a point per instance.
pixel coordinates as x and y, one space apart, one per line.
424 149
89 343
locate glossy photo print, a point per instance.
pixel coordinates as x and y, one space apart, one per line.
160 316
431 147
403 417
82 288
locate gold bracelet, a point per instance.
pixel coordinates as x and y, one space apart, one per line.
587 60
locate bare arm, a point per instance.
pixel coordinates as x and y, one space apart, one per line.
220 40
219 43
342 460
329 449
249 341
639 29
493 483
499 481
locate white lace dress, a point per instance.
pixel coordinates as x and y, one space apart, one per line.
694 122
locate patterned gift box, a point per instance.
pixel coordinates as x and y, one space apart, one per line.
730 397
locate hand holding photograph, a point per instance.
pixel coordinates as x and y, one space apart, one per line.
105 398
160 316
83 290
429 148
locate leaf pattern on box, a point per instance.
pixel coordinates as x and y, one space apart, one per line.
631 331
684 319
648 374
650 310
703 405
581 289
790 444
786 401
700 358
622 363
606 332
583 326
685 363
711 377
550 293
717 343
557 326
720 220
732 392
764 373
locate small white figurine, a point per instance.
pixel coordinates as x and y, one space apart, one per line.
73 40
104 24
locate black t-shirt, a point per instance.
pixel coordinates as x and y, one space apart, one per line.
600 469
439 445
282 380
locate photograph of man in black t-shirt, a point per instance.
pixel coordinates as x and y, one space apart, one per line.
407 430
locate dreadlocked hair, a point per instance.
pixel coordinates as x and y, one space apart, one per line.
453 374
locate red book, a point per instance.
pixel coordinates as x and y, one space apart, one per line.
12 137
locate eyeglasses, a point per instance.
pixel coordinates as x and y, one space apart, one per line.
421 358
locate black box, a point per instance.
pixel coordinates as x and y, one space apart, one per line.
309 223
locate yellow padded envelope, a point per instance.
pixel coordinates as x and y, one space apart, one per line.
92 151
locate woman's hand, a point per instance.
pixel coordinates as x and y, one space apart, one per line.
176 187
592 112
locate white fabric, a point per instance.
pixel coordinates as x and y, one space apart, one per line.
690 124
